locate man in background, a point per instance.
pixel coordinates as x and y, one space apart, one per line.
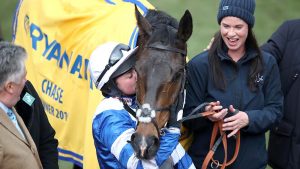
31 110
284 145
17 148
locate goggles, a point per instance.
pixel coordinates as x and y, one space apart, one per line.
115 56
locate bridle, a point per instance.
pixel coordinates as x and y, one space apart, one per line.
144 113
157 46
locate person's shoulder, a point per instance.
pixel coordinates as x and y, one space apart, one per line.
111 110
291 28
268 58
28 83
200 58
110 101
28 86
292 22
109 105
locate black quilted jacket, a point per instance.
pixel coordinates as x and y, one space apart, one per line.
39 127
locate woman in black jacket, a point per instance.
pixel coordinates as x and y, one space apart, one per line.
245 81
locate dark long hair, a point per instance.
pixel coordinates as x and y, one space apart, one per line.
256 67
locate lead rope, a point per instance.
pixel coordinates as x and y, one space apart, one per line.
214 145
217 128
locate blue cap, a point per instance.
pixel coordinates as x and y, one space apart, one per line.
243 9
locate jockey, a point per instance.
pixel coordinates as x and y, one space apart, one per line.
112 71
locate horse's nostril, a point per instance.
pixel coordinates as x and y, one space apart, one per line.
144 147
156 141
134 141
153 141
133 137
153 145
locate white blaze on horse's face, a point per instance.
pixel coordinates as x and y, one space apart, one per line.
143 146
146 114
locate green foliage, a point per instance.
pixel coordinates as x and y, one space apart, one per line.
7 10
269 15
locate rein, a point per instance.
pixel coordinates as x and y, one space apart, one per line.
166 48
214 144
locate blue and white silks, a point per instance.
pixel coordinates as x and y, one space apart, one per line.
113 127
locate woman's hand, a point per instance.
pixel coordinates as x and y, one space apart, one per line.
236 122
218 108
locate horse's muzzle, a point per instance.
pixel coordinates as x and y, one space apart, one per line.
144 147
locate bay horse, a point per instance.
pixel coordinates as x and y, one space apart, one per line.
160 66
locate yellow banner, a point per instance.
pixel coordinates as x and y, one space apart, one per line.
59 36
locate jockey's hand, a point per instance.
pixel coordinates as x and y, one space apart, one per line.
234 123
218 108
173 122
175 109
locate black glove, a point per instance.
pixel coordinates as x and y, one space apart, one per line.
174 110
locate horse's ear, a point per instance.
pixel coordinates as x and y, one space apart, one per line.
143 24
185 26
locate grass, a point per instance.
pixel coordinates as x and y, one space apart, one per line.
65 165
269 15
7 10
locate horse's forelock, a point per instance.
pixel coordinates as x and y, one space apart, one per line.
156 17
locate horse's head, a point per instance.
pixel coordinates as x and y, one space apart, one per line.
160 66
